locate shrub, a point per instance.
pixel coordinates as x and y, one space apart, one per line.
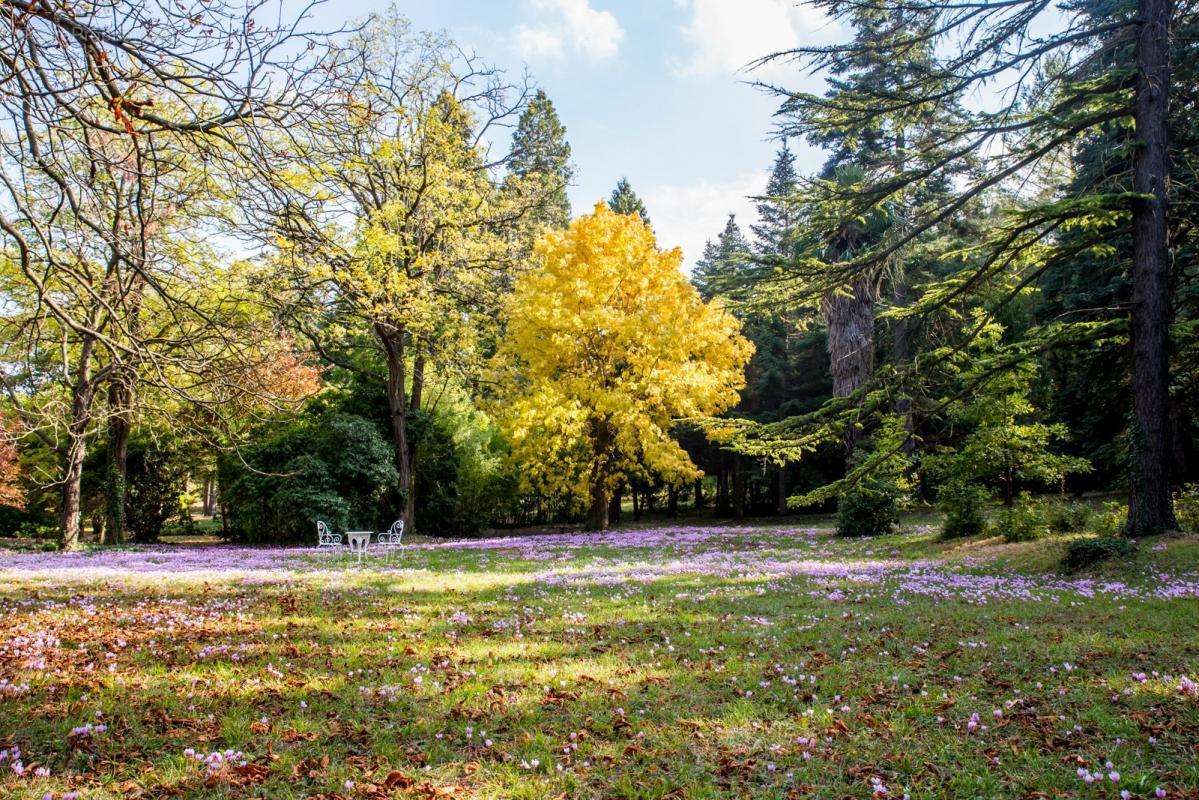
463 480
1024 520
963 506
1186 508
156 478
1112 520
869 508
1070 517
332 467
1082 553
32 522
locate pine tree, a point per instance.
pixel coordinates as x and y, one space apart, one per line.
776 209
1054 102
715 273
541 153
625 201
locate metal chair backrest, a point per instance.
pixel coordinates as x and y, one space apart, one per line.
325 537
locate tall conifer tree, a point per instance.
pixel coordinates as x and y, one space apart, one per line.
540 152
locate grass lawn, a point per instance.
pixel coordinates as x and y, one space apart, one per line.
690 661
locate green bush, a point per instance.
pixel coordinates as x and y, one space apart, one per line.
1070 517
1186 508
156 478
463 481
1023 521
330 466
869 508
1112 520
1082 553
32 522
963 505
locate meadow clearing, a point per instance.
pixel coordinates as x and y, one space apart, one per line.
685 661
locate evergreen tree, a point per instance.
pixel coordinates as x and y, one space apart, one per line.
541 153
776 209
625 201
1057 99
716 272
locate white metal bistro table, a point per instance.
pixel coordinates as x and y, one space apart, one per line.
359 542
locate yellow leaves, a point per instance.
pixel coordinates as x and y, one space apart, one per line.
607 328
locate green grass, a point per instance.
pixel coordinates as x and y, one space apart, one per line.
603 671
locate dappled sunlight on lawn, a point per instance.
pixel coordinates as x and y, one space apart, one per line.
676 661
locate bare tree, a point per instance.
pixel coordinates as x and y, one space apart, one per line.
103 106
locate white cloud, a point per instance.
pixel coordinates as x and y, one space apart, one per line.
568 26
688 216
727 35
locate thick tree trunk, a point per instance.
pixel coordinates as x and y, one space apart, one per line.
120 400
850 321
636 504
699 494
614 508
597 513
397 406
672 501
600 480
1150 508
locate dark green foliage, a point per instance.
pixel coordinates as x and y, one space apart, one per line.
541 153
1070 517
331 466
463 484
1086 552
963 504
33 521
719 270
869 508
775 232
625 201
157 477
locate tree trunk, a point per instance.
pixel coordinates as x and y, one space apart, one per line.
415 400
850 321
600 482
397 407
82 394
699 494
636 504
672 501
780 489
738 488
1150 509
209 496
722 487
614 508
597 514
120 401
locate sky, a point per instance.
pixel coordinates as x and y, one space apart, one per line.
653 90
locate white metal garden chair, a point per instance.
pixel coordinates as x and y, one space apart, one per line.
326 537
391 539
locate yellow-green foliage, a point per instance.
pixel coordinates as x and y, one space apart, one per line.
607 345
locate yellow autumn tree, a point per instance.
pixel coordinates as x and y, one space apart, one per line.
607 345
